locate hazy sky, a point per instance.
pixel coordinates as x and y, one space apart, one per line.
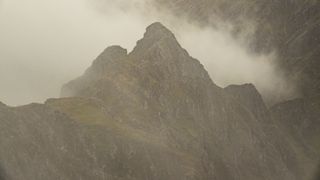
46 43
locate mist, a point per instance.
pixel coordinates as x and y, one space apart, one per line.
44 44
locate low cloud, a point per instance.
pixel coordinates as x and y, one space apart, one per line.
229 61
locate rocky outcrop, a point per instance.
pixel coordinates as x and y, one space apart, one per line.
250 98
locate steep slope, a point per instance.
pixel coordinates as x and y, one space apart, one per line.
301 118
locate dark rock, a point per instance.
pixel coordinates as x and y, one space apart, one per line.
250 98
301 119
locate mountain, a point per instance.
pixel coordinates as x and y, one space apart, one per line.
153 113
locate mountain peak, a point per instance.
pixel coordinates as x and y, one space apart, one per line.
248 96
156 32
157 54
248 90
110 55
113 52
157 29
156 36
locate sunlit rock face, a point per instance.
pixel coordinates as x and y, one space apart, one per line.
153 113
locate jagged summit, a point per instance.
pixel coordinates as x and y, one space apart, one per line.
158 29
157 35
157 54
248 96
107 58
248 87
245 92
111 53
114 51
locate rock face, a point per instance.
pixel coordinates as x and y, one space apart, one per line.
300 119
153 113
250 98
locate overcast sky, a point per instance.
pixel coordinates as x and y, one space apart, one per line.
46 43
